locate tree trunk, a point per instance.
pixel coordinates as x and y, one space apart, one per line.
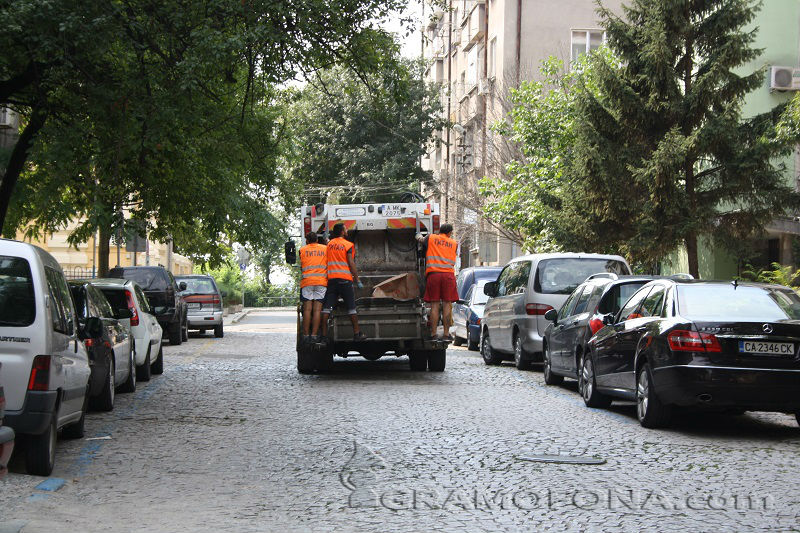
103 249
691 254
17 162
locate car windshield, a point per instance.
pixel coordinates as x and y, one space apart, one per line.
737 304
199 285
618 295
17 304
479 297
562 276
150 279
487 274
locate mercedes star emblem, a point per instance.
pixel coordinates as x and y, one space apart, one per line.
766 328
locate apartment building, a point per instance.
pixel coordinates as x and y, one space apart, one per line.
479 50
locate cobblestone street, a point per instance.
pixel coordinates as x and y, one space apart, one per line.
232 438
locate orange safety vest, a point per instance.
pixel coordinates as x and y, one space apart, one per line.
338 250
313 265
441 255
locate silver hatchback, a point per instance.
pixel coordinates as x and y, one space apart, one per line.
204 302
513 320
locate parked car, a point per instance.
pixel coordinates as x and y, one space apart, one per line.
164 295
45 365
111 354
468 277
126 295
6 436
513 321
204 303
581 316
467 316
723 345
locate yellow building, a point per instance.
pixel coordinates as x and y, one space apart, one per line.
82 262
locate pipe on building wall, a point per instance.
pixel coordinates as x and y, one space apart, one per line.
519 40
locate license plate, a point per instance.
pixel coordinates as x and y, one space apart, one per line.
768 348
194 306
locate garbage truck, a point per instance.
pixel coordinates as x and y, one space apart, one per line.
391 266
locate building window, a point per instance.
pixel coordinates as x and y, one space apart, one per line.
585 41
492 59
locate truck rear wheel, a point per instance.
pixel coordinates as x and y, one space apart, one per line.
305 361
418 361
437 360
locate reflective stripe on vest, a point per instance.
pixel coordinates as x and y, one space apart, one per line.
313 265
441 254
338 250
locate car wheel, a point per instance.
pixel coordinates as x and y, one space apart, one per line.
587 385
76 430
218 332
457 341
418 361
185 330
519 354
175 334
305 361
105 400
143 372
490 357
437 359
158 366
649 409
40 452
547 371
130 383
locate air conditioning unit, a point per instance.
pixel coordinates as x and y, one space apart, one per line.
784 79
6 117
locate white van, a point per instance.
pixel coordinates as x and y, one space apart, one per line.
45 363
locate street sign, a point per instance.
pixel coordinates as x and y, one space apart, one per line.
242 266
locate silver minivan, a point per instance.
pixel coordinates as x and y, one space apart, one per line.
513 321
45 364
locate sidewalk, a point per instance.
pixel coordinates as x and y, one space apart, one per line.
236 317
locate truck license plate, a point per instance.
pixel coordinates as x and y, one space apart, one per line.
768 348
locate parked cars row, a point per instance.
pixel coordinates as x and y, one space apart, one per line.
69 347
663 342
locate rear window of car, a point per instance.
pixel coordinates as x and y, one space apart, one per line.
17 303
743 304
199 285
150 279
562 276
116 297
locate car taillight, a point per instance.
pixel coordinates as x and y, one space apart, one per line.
306 226
682 340
89 343
436 222
40 373
537 309
595 325
209 299
132 308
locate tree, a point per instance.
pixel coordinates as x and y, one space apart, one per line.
662 154
162 109
364 135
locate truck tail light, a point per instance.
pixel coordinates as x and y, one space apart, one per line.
40 373
537 309
682 340
436 222
132 307
306 226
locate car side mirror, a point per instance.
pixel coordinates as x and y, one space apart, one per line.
124 313
608 319
93 327
551 315
290 252
182 286
490 289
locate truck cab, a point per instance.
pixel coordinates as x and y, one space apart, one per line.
389 259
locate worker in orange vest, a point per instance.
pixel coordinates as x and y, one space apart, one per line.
342 273
440 277
313 284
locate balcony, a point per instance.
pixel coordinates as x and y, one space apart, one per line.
473 31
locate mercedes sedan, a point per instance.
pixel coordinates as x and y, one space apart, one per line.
723 345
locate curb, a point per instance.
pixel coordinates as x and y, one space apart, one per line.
238 316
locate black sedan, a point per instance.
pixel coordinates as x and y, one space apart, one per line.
723 345
580 317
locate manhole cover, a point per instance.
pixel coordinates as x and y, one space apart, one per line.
564 459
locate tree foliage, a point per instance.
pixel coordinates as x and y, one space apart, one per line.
364 136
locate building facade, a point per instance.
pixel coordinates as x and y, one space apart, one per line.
478 50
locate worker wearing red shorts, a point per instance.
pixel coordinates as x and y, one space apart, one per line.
440 277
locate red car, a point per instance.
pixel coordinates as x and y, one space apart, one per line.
6 437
